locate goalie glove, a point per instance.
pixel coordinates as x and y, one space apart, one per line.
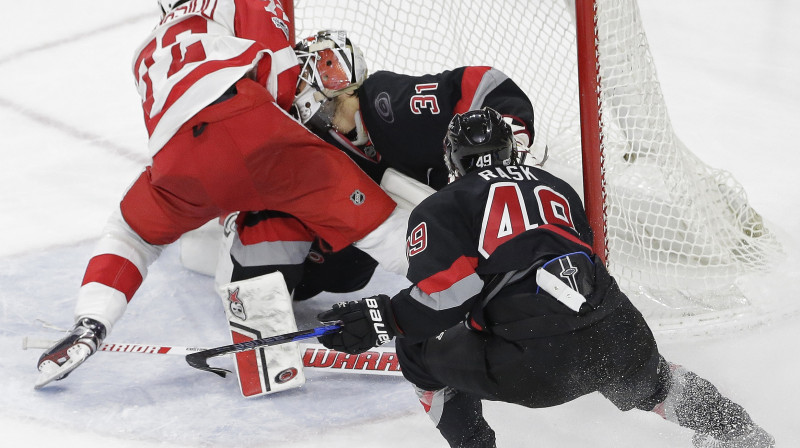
521 135
524 139
70 352
365 324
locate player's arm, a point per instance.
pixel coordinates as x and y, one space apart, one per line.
265 242
113 275
482 86
268 25
442 268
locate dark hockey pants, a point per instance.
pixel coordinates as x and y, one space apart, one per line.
617 356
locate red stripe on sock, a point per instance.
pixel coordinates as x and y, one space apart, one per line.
115 272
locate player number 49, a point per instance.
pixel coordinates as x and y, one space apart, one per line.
418 240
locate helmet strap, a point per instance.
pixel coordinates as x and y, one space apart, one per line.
362 136
366 152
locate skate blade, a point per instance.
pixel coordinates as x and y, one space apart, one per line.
49 371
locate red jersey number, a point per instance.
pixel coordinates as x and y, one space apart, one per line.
506 214
417 241
424 101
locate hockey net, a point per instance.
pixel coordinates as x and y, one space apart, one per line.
679 235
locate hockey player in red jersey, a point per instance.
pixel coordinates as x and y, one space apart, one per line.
216 79
508 246
391 125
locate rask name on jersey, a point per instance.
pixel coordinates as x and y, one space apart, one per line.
513 172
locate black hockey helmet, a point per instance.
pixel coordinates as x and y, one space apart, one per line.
477 139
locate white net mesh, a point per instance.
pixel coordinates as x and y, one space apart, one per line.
679 233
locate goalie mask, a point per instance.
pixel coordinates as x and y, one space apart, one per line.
478 139
330 66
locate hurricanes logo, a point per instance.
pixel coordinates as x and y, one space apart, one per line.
236 305
315 257
383 105
286 375
358 197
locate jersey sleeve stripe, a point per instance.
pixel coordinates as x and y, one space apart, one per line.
283 62
470 83
565 234
461 268
452 297
490 80
115 272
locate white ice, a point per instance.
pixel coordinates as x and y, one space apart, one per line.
73 139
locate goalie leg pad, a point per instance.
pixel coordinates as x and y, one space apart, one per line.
406 191
199 248
257 308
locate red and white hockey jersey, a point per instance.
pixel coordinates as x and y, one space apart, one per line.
253 155
201 49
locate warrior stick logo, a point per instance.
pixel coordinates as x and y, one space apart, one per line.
236 306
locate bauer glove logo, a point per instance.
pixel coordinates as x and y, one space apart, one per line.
377 321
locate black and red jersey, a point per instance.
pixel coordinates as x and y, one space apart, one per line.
407 116
493 221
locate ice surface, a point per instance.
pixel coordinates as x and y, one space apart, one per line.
73 140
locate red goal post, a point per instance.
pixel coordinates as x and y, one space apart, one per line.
591 137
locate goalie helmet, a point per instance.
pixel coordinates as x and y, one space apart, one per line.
478 139
330 66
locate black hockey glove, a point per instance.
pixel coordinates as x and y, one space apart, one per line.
365 324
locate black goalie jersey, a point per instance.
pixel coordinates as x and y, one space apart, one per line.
490 222
407 117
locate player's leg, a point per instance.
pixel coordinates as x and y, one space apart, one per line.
457 414
265 242
678 395
256 308
695 403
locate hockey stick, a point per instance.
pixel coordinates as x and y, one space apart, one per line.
199 360
378 361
